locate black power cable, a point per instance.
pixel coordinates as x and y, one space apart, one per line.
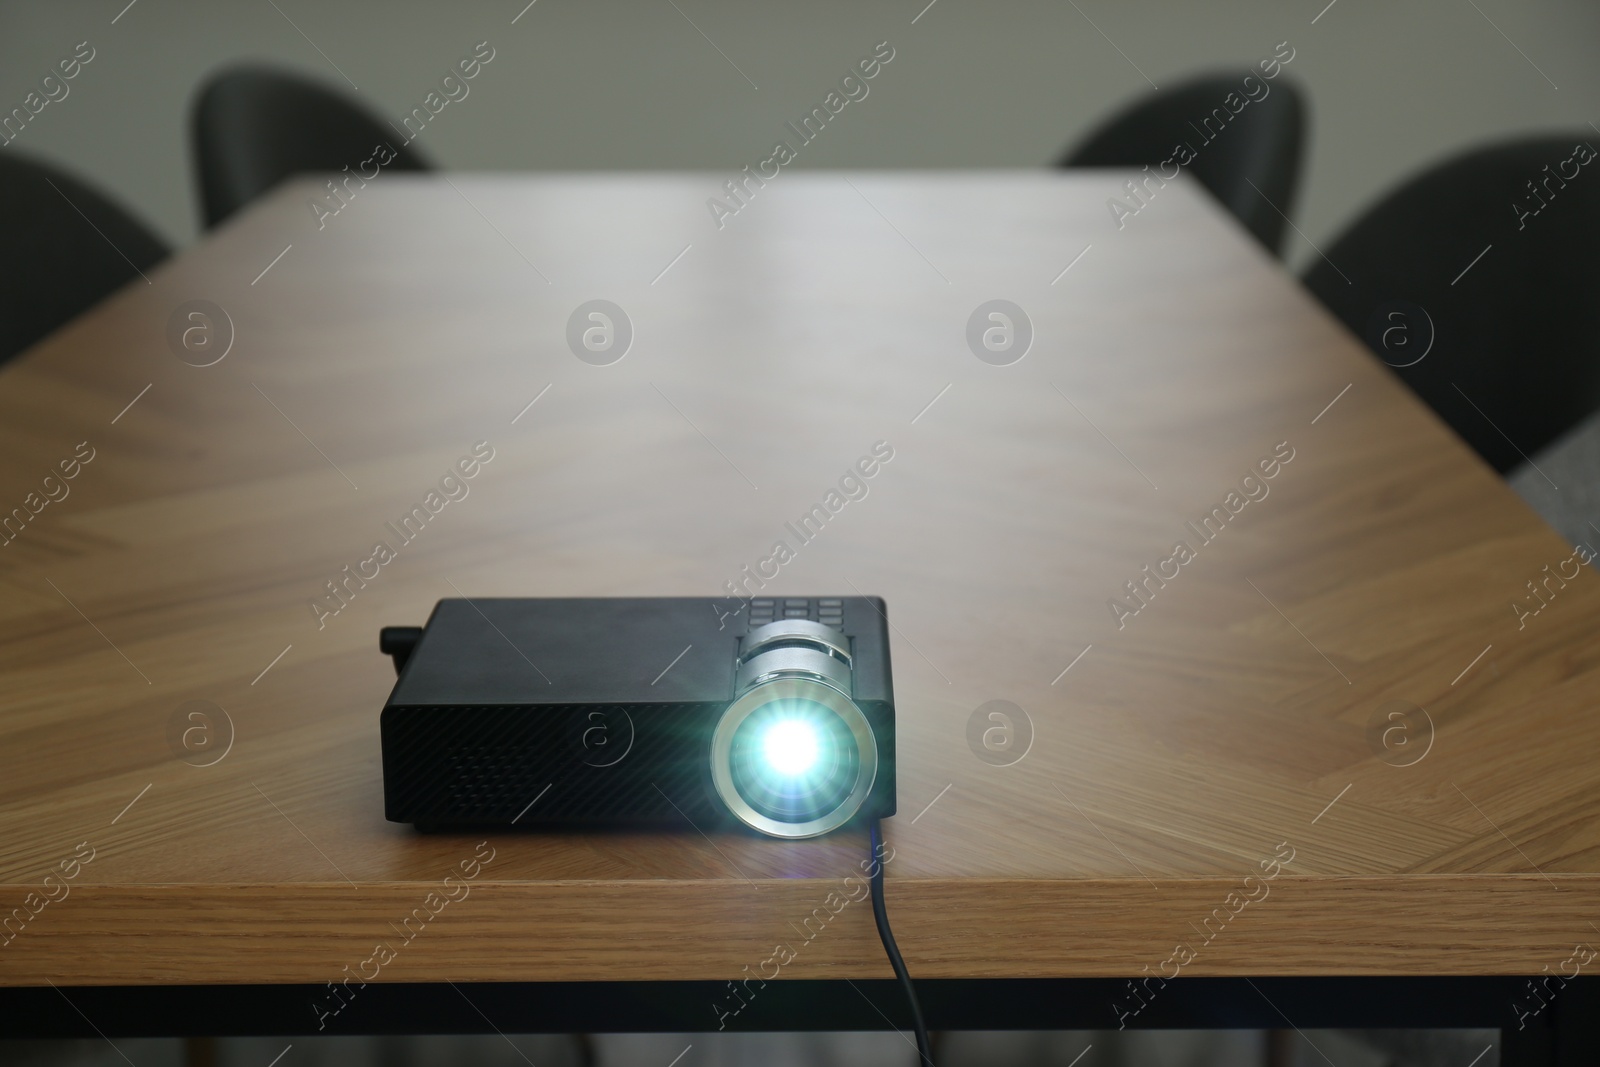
881 916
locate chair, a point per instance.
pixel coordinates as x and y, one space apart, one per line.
64 247
1489 259
1260 143
253 127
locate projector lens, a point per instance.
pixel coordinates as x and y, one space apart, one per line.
793 757
794 760
790 746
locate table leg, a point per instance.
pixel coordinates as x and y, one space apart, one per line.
1577 1026
1527 1048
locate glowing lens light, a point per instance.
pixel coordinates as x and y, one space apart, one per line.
793 757
790 747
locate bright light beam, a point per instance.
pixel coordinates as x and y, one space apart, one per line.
790 747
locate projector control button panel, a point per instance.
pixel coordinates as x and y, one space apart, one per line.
829 611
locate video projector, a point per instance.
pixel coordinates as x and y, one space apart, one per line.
592 712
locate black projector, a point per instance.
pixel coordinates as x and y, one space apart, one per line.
666 711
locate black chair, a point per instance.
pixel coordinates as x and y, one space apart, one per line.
254 127
1260 142
1478 282
63 247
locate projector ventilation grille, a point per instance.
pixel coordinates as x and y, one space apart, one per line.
644 763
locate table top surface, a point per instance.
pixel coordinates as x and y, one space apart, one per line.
1327 742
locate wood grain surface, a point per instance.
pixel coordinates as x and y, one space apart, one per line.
1243 713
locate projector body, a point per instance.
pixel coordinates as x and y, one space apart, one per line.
584 713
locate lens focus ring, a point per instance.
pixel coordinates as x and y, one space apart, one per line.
793 662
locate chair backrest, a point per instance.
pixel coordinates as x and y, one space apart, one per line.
1478 281
1244 132
253 127
63 247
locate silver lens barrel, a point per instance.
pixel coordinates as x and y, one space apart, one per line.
802 665
793 648
801 633
790 662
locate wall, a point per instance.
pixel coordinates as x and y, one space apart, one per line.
633 84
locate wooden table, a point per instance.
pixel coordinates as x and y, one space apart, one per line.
1339 674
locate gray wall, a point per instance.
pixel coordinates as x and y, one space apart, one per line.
632 84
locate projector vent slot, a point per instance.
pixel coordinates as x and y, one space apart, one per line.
549 764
